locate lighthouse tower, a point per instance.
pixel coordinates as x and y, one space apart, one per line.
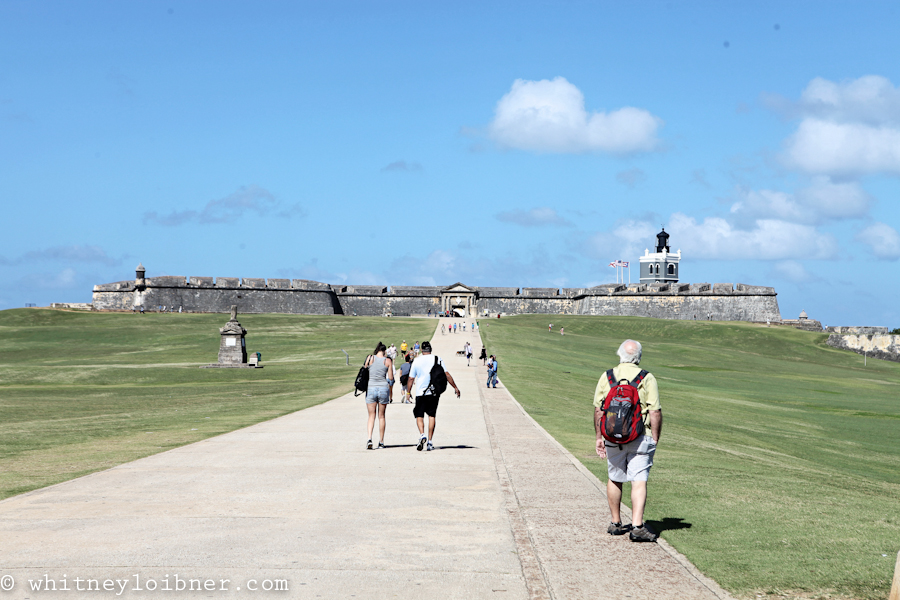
660 266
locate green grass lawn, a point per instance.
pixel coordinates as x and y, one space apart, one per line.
779 464
81 391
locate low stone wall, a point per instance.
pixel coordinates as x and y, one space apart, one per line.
72 305
883 346
858 330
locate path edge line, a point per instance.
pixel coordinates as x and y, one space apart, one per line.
532 570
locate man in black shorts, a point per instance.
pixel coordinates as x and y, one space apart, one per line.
419 387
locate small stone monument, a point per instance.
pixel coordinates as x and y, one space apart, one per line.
232 346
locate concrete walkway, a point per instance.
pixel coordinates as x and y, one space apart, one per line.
499 510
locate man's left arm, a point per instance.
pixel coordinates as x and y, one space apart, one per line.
451 382
656 424
653 406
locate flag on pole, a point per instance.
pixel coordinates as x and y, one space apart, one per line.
614 263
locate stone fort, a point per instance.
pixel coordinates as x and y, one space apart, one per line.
659 294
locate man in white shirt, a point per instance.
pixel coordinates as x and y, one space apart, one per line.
419 387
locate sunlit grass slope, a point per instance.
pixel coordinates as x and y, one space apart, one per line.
81 392
779 464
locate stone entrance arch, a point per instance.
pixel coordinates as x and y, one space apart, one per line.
459 300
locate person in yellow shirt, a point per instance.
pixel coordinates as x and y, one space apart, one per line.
631 461
404 348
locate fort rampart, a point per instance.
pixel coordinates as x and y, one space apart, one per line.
719 302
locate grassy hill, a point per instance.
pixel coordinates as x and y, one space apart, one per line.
80 392
779 464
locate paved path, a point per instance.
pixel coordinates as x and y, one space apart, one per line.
500 510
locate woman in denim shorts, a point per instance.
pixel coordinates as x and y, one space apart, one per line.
380 390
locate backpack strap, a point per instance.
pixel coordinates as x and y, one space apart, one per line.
640 377
610 376
430 382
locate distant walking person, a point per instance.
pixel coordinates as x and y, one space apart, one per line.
562 331
420 387
403 348
468 354
443 330
492 371
380 390
404 379
483 356
630 461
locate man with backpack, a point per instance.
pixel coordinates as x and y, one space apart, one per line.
428 379
628 423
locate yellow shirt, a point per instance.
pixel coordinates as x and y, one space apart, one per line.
648 391
403 347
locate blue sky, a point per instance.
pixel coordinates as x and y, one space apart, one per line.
421 143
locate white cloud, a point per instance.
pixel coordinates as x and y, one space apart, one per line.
631 177
549 116
247 199
793 271
882 239
842 200
847 128
629 238
768 239
870 99
715 239
843 148
821 201
402 166
75 253
536 217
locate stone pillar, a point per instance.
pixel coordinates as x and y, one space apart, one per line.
233 348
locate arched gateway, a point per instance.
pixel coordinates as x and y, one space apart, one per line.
459 300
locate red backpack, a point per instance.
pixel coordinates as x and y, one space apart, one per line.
622 421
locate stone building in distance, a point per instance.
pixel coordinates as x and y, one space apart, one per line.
664 297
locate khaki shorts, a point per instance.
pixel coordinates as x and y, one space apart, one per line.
632 462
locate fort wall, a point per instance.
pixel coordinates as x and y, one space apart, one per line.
381 300
721 301
203 294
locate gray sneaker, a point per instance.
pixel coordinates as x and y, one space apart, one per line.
369 445
618 528
430 447
421 444
643 534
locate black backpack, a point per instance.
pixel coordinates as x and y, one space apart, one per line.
438 383
362 380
